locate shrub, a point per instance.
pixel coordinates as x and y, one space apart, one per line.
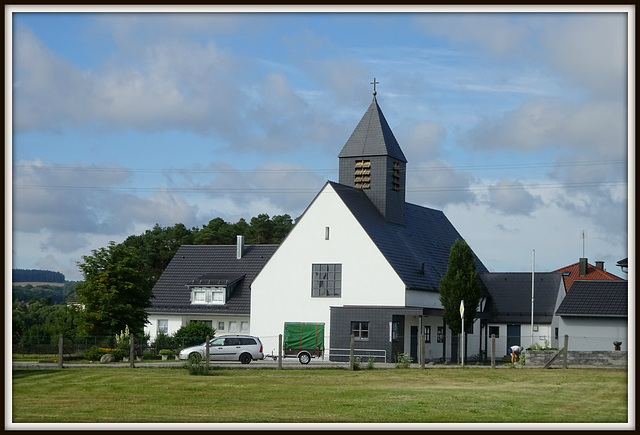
356 363
197 367
403 360
194 333
370 363
165 352
94 353
164 341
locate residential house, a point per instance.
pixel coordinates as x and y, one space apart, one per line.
507 311
207 283
361 260
594 314
583 270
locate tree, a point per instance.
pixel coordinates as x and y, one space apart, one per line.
460 282
116 291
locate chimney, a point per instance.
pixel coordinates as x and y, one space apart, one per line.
583 266
239 246
600 265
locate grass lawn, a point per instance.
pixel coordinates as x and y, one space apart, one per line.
254 395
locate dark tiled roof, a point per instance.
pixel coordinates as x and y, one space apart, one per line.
426 237
596 299
572 273
214 265
510 296
372 137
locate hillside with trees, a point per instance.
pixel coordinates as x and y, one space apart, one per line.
36 275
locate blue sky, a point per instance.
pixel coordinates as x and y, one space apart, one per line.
514 124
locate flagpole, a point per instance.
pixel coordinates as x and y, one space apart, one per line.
533 268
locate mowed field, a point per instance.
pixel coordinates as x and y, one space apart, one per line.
261 395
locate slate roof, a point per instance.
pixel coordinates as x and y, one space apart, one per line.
213 265
426 237
372 137
589 298
509 298
592 273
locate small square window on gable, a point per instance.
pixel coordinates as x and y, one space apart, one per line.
362 174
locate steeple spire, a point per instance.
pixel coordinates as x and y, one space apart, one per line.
372 160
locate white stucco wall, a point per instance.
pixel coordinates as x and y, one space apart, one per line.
282 291
177 321
594 333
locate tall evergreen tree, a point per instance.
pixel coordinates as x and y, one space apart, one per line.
460 282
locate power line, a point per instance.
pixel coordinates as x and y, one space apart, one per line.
310 190
315 170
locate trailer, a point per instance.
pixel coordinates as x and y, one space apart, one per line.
303 341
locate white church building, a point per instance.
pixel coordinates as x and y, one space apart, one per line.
363 261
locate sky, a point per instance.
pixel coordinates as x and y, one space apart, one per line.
514 123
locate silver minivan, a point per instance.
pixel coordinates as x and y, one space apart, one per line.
243 348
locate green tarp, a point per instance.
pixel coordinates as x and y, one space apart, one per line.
307 336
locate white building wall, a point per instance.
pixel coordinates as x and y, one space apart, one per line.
232 324
282 290
593 333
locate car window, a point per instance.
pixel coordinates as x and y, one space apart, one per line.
247 341
218 342
232 342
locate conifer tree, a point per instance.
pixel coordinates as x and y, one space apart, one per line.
460 282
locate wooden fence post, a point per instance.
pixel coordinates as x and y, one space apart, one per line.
352 345
493 351
280 351
60 350
564 352
132 350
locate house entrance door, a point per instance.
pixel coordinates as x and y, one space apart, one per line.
513 336
397 336
414 344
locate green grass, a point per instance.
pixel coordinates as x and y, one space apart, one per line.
243 395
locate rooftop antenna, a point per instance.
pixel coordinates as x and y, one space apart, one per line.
583 235
374 83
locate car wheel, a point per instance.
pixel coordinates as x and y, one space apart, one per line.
304 358
245 358
195 357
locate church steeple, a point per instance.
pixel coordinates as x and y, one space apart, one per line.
372 160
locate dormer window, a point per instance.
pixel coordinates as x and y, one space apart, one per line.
362 174
212 289
208 295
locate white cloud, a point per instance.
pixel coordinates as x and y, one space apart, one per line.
510 197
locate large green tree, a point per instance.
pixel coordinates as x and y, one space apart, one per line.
460 282
116 291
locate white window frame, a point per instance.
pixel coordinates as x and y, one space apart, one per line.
163 326
208 295
233 326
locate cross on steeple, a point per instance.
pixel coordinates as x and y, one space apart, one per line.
374 83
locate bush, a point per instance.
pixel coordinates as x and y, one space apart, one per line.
370 363
194 333
403 360
94 353
356 363
164 341
197 367
165 352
